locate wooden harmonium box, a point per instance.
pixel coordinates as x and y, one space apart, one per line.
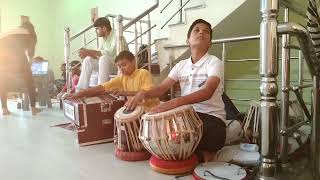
93 117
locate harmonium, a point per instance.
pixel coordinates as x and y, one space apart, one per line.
93 117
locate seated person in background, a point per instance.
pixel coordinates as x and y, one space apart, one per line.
59 83
101 60
75 66
128 83
50 75
201 81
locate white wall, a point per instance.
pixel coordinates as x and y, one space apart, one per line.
50 18
214 13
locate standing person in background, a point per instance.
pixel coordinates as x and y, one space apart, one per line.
14 62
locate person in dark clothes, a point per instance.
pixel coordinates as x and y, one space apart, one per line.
17 48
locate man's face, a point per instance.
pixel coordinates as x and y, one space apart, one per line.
126 66
200 36
102 31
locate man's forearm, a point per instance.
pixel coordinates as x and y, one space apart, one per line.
154 92
95 54
195 97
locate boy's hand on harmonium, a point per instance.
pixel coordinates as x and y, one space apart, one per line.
67 96
59 96
81 93
118 92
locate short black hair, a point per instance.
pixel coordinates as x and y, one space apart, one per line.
198 21
102 21
125 55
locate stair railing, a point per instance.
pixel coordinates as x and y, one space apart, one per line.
138 21
122 28
270 29
180 9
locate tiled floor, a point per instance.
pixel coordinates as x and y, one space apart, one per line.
32 149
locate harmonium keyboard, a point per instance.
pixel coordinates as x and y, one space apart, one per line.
93 117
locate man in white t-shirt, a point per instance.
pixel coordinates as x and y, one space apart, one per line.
201 81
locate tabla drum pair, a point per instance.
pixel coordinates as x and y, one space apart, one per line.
172 137
128 145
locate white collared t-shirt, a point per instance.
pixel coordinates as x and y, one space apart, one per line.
192 77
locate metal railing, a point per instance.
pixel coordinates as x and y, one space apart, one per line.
182 5
225 41
179 11
270 29
90 27
121 29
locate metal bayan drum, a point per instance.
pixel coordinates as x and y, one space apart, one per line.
171 135
128 124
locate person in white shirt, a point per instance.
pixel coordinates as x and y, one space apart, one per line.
101 60
201 81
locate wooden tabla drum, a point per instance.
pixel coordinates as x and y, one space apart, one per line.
172 137
128 145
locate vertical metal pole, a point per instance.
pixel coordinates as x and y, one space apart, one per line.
180 13
119 34
141 39
136 43
284 119
112 19
224 58
171 58
268 88
315 139
67 57
97 39
301 70
84 39
149 43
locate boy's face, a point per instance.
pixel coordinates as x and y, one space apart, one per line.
75 71
126 66
200 36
